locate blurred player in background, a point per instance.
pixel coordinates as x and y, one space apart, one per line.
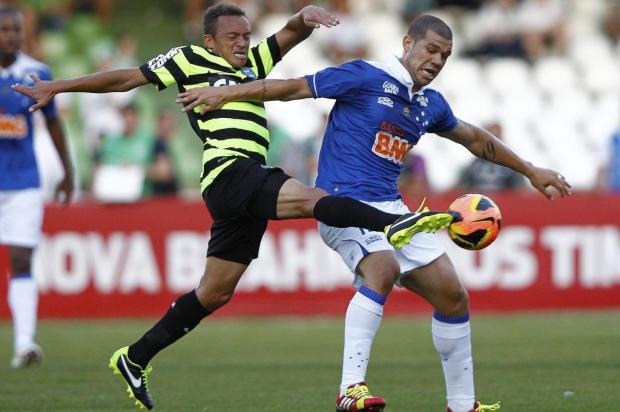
241 193
382 109
482 175
21 200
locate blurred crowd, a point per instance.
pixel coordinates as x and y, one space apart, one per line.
145 141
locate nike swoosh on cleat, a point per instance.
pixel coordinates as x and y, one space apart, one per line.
135 382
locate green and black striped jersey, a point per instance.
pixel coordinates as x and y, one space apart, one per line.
238 129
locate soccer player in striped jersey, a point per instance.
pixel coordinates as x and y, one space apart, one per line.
241 193
21 200
382 109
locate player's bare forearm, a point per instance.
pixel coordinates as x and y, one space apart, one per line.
103 82
120 80
213 98
65 188
300 26
485 145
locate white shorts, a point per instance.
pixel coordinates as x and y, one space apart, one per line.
354 243
21 217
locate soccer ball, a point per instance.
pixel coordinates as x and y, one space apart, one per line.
477 221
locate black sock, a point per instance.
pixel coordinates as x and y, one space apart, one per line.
184 315
339 211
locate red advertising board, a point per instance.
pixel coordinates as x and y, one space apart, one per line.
133 260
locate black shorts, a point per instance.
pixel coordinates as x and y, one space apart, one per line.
241 199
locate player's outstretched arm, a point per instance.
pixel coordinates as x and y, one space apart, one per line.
213 98
485 145
103 82
300 26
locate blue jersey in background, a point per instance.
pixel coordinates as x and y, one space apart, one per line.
18 165
375 121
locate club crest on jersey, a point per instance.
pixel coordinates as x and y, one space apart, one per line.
386 101
248 72
390 87
406 111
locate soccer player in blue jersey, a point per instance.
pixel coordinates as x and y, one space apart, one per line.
21 200
241 193
382 109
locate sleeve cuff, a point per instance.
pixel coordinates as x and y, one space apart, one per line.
274 49
311 79
152 77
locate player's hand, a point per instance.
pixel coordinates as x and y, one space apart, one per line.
41 92
543 179
209 98
64 190
314 17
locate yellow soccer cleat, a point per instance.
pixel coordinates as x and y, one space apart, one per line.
358 398
135 377
402 230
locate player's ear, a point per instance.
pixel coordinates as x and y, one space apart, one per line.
209 41
407 43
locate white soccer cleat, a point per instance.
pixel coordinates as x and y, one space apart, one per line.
30 356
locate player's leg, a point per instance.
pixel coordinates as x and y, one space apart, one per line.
216 287
438 283
234 243
21 217
371 258
377 271
23 300
296 200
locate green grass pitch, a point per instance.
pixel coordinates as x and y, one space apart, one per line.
542 362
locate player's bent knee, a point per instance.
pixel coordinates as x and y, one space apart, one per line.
313 196
455 301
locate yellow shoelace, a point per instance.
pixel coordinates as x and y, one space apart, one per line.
493 407
358 392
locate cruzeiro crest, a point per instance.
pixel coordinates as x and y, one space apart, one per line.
248 72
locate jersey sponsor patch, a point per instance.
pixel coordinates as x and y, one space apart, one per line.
391 147
157 62
224 82
13 127
389 87
386 101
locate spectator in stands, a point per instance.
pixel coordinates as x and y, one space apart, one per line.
347 41
487 176
132 147
608 179
414 178
161 173
100 113
542 26
498 24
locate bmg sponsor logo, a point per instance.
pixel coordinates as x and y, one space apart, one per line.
13 127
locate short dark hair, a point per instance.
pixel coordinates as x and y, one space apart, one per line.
422 24
213 12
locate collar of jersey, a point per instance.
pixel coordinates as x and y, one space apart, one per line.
221 61
395 68
13 67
